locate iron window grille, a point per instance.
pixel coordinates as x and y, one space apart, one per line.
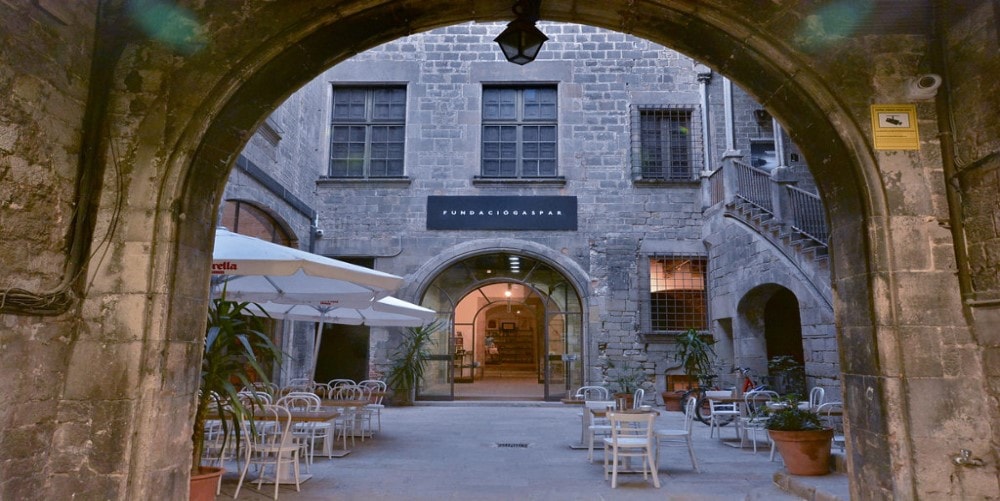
666 143
367 134
677 297
519 132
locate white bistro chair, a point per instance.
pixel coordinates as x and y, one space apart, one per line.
754 417
678 437
598 424
719 411
272 447
631 437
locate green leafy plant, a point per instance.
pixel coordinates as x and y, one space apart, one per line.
789 417
236 352
695 354
787 374
625 379
409 360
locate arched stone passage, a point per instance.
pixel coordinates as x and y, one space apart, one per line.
182 120
774 74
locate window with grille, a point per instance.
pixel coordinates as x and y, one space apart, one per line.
519 132
367 132
677 293
668 144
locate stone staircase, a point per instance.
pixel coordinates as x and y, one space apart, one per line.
810 256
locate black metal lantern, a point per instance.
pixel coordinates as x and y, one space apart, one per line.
522 40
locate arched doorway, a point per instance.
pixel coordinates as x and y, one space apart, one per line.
517 328
782 327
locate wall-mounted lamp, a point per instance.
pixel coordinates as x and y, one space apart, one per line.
761 115
522 40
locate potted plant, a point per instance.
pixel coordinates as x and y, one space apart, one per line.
235 353
801 438
625 380
695 355
409 361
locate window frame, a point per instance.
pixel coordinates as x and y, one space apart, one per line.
369 123
679 324
520 122
693 144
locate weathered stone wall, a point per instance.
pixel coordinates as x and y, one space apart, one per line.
970 66
600 74
745 269
44 85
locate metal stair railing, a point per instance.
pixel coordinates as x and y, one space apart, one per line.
754 186
808 215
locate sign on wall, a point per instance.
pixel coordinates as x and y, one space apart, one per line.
895 127
501 213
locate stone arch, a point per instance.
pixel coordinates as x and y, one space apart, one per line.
418 280
275 219
231 88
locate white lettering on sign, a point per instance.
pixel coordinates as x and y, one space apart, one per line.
484 213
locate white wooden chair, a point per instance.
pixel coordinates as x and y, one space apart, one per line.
631 437
306 434
681 436
592 393
597 425
754 418
272 447
720 411
379 389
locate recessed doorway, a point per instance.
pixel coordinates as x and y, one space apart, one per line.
516 331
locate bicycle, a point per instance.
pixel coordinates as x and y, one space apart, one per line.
702 410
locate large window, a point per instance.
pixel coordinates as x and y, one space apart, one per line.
666 144
368 131
519 132
677 293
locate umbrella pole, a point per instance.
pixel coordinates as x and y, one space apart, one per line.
318 338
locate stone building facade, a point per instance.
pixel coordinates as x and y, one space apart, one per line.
603 80
117 140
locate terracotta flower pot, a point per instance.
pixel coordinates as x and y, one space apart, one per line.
205 483
804 452
672 400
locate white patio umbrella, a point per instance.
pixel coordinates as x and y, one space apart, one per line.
252 269
385 312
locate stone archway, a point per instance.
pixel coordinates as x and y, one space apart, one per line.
771 73
183 118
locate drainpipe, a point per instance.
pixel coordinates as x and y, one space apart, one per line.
779 142
314 233
704 78
953 194
727 87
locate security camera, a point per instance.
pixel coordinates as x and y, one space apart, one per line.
318 233
923 86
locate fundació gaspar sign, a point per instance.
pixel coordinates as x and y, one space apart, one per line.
501 213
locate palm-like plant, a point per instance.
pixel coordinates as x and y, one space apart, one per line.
695 354
409 360
236 351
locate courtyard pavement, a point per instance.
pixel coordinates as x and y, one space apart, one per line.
444 451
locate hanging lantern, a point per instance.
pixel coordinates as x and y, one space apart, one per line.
522 40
